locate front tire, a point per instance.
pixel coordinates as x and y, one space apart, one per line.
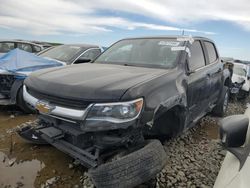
132 169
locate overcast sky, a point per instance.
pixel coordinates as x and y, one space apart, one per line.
106 21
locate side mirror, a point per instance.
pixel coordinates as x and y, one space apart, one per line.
233 134
248 77
82 60
233 130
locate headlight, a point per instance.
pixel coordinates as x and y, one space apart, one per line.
116 112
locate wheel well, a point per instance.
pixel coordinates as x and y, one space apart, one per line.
170 122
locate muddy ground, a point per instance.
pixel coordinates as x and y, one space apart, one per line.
26 165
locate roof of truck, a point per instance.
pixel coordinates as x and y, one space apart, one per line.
171 36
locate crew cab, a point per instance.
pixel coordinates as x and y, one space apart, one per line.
102 113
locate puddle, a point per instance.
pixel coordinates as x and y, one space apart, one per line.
34 164
23 173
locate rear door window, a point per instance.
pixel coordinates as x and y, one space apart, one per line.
212 55
197 59
6 46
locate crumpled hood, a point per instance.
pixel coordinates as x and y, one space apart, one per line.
90 81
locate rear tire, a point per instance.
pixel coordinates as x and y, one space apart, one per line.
22 104
221 107
132 169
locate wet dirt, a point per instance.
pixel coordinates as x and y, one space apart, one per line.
27 165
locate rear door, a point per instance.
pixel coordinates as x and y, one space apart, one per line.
198 81
214 68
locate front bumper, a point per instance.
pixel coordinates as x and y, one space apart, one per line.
58 111
86 147
77 116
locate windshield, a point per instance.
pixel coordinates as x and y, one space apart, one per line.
239 70
65 53
156 52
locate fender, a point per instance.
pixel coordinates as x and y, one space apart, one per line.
177 100
14 90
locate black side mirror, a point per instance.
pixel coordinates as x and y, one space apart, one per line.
233 133
233 130
248 77
82 60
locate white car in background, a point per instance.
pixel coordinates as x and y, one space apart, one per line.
240 80
235 136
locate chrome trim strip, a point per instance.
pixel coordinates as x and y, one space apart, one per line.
198 69
57 110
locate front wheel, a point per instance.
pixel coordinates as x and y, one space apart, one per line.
221 107
132 169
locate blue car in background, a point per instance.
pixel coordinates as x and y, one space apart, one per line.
16 65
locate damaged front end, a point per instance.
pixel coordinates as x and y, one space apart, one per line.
88 134
236 87
89 148
6 83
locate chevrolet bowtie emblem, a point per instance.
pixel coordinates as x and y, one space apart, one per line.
43 107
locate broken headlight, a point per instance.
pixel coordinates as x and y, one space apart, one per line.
117 112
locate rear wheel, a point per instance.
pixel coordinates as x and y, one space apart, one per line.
221 107
22 104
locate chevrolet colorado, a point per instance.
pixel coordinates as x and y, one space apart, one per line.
103 113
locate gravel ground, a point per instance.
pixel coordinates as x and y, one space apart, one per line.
194 158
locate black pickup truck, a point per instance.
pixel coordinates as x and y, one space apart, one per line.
102 113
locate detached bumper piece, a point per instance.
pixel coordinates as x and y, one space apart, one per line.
54 137
51 135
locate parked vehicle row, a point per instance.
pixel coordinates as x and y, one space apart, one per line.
101 113
16 65
8 45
